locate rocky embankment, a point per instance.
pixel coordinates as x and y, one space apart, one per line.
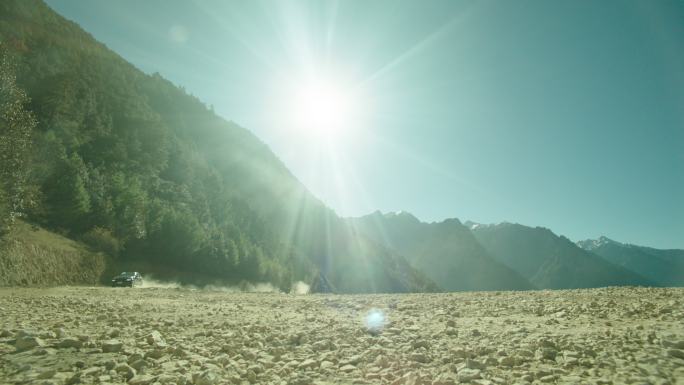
100 335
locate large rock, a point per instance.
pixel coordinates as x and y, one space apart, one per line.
126 371
70 342
28 342
155 339
507 361
144 379
446 379
112 346
308 363
207 377
466 375
676 353
347 368
419 357
47 374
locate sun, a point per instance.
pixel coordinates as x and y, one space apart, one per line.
319 109
323 108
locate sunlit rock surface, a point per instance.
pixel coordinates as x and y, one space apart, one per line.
174 336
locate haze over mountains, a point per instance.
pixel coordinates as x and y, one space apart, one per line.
446 251
663 266
550 261
143 172
473 256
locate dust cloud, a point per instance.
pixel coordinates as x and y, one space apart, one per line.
245 287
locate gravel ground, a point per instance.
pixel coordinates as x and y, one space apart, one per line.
91 335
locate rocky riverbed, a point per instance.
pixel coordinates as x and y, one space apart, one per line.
92 335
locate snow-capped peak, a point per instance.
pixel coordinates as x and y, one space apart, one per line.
591 244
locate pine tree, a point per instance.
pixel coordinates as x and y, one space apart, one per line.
68 199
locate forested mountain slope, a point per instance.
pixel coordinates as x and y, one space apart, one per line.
141 169
446 251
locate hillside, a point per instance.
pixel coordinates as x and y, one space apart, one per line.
447 252
550 261
154 175
665 267
33 256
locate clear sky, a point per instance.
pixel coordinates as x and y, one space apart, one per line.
562 114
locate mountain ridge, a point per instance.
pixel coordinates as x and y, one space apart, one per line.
664 266
548 261
551 261
446 251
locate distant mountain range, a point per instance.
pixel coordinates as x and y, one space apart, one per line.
665 267
550 261
511 256
446 252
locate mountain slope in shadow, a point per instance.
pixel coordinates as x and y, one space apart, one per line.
665 267
550 261
446 252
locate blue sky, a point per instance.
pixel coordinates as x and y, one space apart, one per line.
567 115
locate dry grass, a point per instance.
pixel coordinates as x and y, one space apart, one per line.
32 256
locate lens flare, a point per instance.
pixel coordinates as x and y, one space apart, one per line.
375 320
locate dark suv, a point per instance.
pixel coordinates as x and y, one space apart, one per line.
129 279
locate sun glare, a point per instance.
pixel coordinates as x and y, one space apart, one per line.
322 108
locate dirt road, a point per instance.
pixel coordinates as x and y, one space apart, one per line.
89 335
